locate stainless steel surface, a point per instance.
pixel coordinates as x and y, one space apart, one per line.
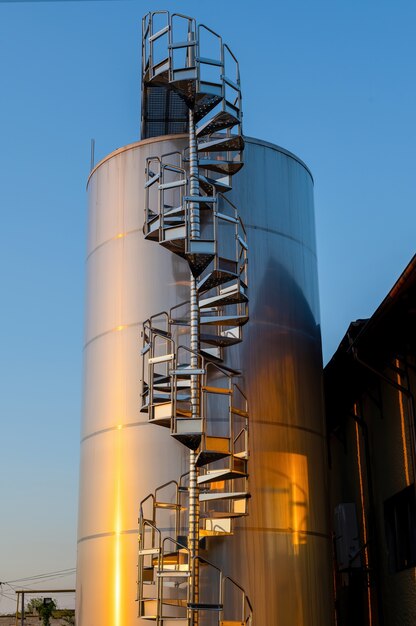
280 552
118 459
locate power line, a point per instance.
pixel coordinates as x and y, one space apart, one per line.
49 579
47 574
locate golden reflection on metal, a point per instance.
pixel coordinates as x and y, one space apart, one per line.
293 586
363 515
121 327
403 425
118 528
291 495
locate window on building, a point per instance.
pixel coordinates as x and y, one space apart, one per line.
400 525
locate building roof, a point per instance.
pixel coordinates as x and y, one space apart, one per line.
389 332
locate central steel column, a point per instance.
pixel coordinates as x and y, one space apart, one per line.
195 233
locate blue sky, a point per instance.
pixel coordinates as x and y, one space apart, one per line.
332 81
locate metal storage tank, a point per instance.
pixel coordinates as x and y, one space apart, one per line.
281 551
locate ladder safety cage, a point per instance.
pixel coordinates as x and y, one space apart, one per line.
176 56
158 357
182 48
151 197
185 427
164 192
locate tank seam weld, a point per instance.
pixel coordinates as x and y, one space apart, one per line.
116 329
281 234
115 238
111 428
292 531
286 425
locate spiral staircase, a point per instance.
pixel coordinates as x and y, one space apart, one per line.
191 85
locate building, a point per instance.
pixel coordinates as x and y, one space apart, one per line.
369 385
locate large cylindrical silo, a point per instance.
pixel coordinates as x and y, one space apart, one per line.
281 550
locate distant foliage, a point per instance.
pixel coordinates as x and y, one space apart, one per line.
43 609
68 616
33 605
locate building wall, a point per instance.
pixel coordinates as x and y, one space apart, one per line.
370 474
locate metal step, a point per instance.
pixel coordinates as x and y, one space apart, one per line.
184 371
173 211
170 559
216 527
173 220
214 449
163 411
161 421
223 166
222 474
213 354
206 98
152 235
232 296
219 144
158 398
224 339
219 184
153 224
160 378
176 246
231 623
220 121
188 431
175 232
215 278
222 495
149 608
160 413
224 320
199 261
201 606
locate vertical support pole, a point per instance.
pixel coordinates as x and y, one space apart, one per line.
22 612
17 609
195 233
92 161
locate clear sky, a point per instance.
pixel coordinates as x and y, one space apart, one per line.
333 81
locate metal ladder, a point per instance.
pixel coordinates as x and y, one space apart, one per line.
191 84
